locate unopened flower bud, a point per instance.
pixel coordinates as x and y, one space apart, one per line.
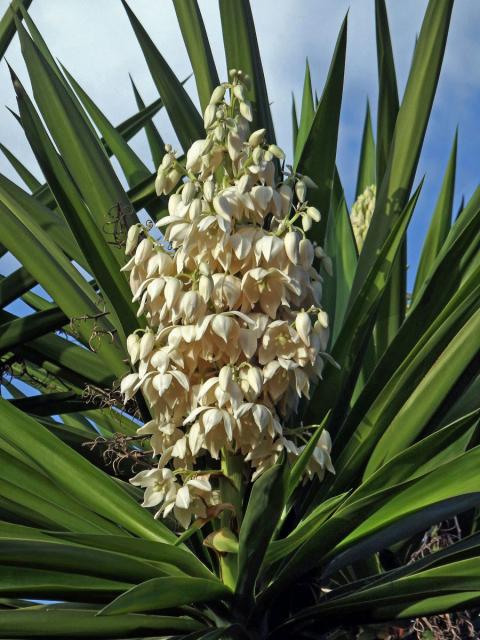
155 288
172 179
239 92
323 319
257 155
276 151
209 190
209 116
291 242
234 145
286 195
132 237
143 251
127 386
314 214
257 137
217 95
190 305
306 223
244 183
195 209
171 291
167 161
188 192
303 325
133 347
205 287
160 181
306 253
301 190
219 132
146 344
246 111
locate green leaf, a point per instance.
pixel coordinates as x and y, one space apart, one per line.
58 461
307 113
75 623
131 165
423 456
82 152
46 263
390 387
428 395
280 549
84 365
7 23
301 463
27 207
294 124
391 312
359 319
388 104
264 508
341 248
408 526
412 495
17 582
155 142
242 52
196 41
450 587
160 553
185 119
409 133
52 403
132 125
355 520
21 330
14 285
366 168
102 260
24 483
54 554
27 177
317 157
437 313
166 593
440 221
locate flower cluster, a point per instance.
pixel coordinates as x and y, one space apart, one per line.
361 215
236 334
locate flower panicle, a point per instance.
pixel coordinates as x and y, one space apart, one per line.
361 215
236 333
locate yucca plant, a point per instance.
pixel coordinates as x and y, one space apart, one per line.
294 551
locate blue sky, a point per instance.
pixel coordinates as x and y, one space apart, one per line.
94 41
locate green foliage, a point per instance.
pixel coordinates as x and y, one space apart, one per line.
401 400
